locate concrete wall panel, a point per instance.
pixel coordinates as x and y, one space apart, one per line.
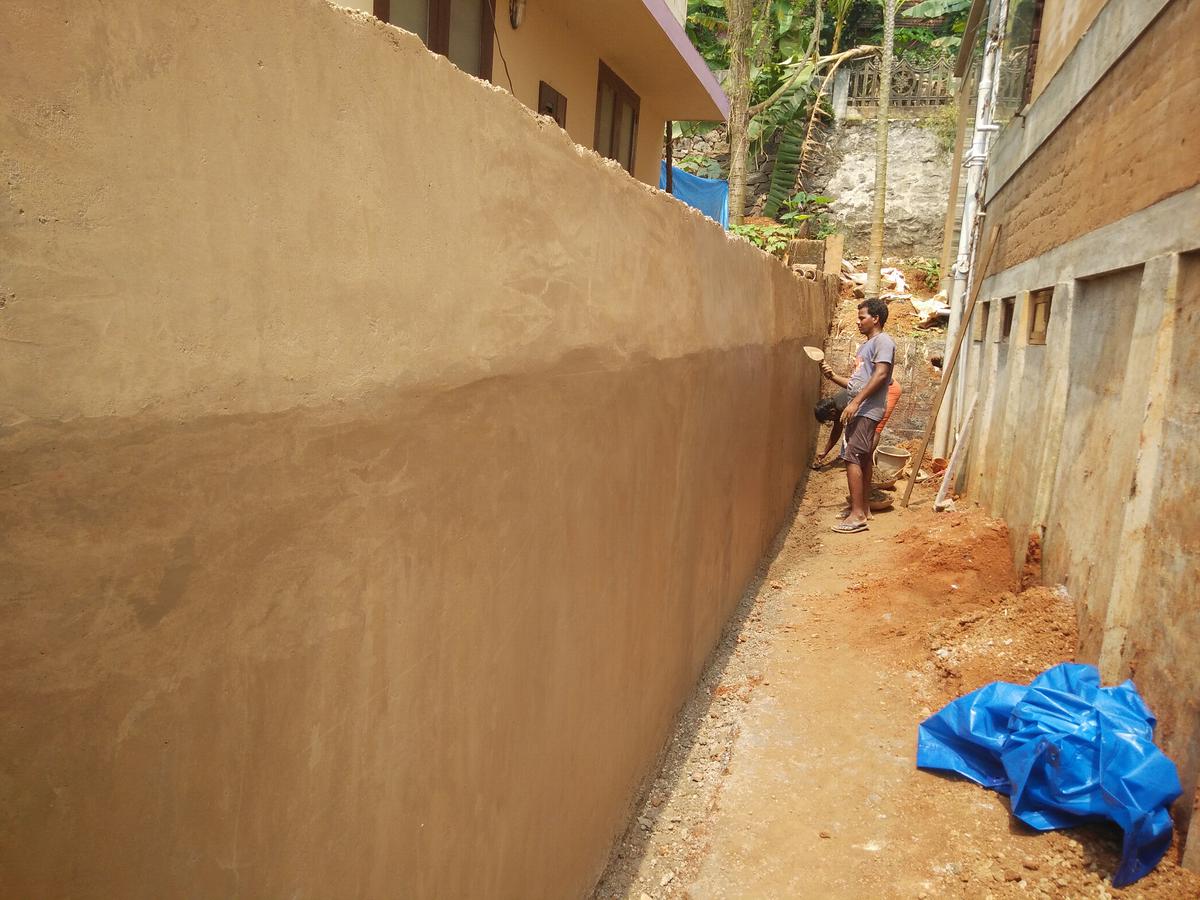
1159 648
379 467
1098 451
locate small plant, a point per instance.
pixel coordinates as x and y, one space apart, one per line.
774 239
802 206
931 272
944 125
825 226
811 208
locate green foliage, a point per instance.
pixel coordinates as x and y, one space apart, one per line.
947 43
931 272
709 31
784 86
774 239
791 106
913 39
783 29
839 10
825 227
863 25
805 207
935 9
783 54
944 125
700 165
781 38
801 201
692 129
787 166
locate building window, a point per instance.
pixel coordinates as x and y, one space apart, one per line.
1035 39
979 328
1006 308
1018 58
553 104
617 108
1039 314
461 30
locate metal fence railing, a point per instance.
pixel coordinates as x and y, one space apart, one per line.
916 85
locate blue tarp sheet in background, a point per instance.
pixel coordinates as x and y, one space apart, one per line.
708 195
1067 751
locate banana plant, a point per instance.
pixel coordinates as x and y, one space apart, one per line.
799 139
787 166
933 9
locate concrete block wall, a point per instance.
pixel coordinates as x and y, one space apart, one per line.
1109 142
379 467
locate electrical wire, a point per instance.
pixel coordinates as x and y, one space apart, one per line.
500 47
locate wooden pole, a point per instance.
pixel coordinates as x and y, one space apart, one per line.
669 152
959 445
948 370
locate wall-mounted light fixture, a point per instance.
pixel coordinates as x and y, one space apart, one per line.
516 13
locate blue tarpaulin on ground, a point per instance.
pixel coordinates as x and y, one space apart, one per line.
709 195
1067 751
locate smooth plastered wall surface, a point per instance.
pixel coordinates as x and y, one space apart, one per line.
379 467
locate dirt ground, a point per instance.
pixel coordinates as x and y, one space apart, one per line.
792 770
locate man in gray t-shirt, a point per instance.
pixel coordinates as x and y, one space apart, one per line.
869 385
873 351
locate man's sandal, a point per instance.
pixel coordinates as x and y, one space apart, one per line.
847 528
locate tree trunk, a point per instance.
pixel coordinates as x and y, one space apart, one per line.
840 10
837 36
881 144
740 15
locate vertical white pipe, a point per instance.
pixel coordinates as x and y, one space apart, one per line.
969 227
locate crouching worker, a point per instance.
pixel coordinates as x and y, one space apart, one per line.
869 388
828 410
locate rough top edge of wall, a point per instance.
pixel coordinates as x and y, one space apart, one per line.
549 129
365 318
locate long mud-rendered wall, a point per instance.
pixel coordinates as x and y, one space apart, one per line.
1088 441
378 467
